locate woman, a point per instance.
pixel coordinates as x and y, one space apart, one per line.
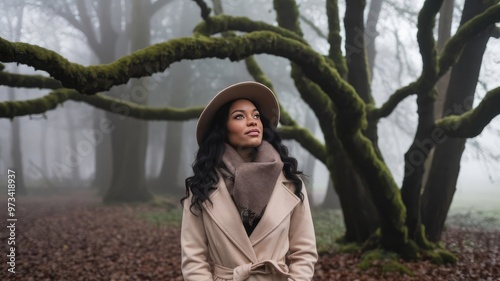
247 215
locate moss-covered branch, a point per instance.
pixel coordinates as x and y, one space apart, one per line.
306 139
158 57
221 23
464 34
334 38
288 18
28 81
472 123
259 76
427 44
387 108
10 109
256 72
449 57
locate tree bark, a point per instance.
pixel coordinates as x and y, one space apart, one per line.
441 184
129 139
16 153
371 32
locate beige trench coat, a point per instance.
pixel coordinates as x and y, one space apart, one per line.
215 245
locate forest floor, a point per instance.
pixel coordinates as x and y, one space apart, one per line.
77 238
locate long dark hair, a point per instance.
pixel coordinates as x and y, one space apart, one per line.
209 155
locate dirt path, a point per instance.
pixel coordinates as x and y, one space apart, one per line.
76 238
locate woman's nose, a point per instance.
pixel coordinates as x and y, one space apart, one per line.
251 122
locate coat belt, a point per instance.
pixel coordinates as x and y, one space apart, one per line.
242 272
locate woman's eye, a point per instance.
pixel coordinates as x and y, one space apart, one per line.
256 116
238 117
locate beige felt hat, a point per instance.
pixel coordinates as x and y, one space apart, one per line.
255 92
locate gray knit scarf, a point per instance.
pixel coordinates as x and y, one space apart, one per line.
251 183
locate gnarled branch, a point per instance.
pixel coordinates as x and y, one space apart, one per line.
472 123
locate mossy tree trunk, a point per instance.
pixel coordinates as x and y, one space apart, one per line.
360 216
442 180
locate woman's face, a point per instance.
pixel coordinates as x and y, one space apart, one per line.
244 127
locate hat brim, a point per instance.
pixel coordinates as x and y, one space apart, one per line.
257 93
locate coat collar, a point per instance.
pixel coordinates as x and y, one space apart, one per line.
225 214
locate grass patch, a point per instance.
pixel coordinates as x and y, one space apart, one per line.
328 226
167 218
476 219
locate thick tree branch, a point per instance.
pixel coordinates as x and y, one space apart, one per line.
450 55
259 76
464 34
10 109
291 20
205 10
306 139
427 44
358 71
334 38
221 23
472 123
158 57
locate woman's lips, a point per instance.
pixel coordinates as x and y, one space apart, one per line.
253 133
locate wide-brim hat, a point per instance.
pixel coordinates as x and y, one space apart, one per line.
263 98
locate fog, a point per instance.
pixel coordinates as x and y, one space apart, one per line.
59 147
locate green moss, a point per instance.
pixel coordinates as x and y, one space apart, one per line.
441 256
422 241
348 248
386 261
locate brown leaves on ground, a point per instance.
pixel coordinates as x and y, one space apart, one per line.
63 238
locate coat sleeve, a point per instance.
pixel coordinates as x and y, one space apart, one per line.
303 254
194 246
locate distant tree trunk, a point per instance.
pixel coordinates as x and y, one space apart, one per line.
103 168
75 178
331 200
441 184
169 178
310 162
16 154
129 139
444 32
371 32
106 52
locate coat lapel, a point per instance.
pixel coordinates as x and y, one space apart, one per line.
280 205
226 216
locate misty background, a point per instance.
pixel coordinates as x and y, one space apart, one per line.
59 148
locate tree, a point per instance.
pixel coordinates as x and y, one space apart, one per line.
335 86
